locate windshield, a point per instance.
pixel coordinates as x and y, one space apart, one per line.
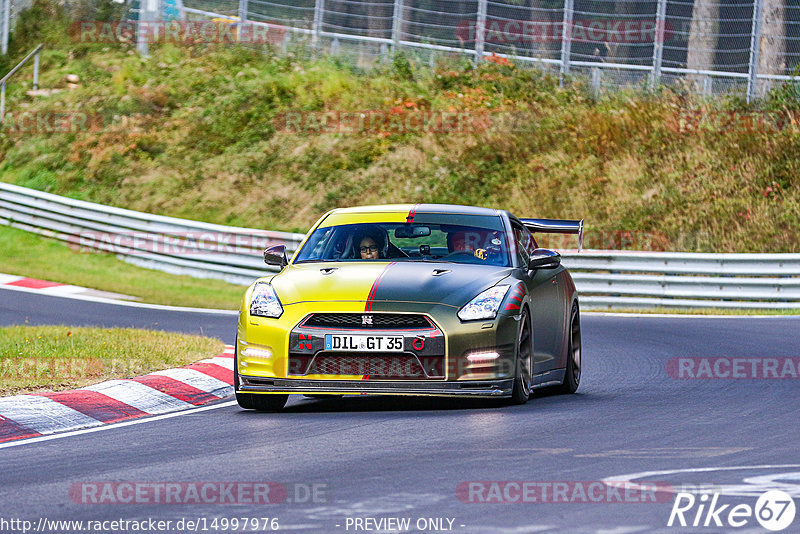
456 243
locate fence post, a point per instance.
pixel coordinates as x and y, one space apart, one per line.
566 40
755 47
658 42
149 11
397 25
319 13
6 19
480 30
242 12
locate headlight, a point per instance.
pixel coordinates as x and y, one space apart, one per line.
485 305
264 302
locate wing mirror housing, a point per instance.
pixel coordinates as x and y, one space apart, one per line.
544 258
276 255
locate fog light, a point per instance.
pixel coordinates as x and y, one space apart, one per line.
263 354
483 356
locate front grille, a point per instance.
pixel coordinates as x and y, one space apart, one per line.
378 321
369 366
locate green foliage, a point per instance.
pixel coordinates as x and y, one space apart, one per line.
195 131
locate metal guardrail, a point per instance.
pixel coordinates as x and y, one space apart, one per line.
605 279
177 246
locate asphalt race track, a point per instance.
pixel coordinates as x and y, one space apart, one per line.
370 458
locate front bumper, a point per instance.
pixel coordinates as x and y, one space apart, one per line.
478 388
278 365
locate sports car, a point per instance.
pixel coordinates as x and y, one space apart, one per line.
422 299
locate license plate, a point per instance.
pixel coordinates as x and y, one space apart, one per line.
336 342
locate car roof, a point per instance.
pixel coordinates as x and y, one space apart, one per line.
422 208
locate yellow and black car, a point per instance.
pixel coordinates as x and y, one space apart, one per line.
422 299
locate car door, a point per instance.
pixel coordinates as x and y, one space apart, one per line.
546 303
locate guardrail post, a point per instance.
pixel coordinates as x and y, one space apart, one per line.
566 40
658 42
595 81
36 71
397 25
755 48
319 13
480 31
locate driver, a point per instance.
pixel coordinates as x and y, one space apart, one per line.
370 244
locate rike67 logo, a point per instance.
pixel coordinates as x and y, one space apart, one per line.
774 510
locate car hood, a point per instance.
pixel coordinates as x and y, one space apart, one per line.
427 282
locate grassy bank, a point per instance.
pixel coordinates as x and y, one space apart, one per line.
200 132
29 255
54 358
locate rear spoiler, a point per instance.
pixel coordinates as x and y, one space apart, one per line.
556 226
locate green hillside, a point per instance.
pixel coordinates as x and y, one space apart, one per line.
216 133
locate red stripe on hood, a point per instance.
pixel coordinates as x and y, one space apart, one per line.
374 288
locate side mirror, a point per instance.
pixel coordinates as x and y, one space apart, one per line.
276 255
543 258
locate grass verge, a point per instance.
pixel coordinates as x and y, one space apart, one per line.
28 254
54 358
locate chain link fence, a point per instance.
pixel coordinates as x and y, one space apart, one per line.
708 47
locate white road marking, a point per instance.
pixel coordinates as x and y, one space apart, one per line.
198 380
129 304
8 278
737 490
42 414
139 396
667 452
112 426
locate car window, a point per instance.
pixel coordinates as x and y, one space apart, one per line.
436 241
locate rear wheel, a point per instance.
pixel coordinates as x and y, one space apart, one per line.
522 375
572 374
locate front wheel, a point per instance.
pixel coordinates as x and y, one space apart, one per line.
572 374
522 374
269 402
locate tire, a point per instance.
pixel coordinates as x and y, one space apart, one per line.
522 374
572 374
269 402
245 401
